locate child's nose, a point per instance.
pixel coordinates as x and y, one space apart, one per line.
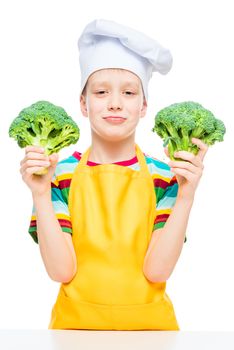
115 102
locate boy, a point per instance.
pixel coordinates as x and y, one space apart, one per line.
102 233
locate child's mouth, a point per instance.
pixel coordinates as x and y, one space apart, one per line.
115 120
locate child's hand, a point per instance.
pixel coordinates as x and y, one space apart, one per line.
35 160
188 172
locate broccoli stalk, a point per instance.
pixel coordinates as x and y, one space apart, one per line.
45 125
179 122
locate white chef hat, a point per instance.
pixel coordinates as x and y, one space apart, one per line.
107 44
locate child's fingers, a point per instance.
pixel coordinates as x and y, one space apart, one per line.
184 165
203 147
190 157
34 149
53 159
35 155
32 170
166 151
31 163
185 173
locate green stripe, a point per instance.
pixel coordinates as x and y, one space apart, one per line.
34 236
159 225
159 193
66 229
65 193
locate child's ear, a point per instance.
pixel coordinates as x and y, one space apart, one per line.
83 106
144 108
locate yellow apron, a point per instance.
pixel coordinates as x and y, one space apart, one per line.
112 210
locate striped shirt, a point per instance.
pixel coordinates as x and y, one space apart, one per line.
165 186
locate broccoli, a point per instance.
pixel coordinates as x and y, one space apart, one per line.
179 122
46 125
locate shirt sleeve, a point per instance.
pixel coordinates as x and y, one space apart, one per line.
165 202
61 210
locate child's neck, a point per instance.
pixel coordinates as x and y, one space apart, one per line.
106 152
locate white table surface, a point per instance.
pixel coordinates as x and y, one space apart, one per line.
113 340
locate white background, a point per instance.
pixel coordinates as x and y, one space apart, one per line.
39 60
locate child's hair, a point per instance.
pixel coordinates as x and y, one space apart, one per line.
85 87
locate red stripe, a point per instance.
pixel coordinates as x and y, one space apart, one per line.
76 155
65 223
33 223
161 218
160 183
131 161
159 221
173 181
64 183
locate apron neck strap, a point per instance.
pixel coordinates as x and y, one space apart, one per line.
139 154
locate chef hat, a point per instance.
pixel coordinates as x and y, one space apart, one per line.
107 44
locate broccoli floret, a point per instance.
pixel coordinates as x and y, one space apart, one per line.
217 135
179 122
46 125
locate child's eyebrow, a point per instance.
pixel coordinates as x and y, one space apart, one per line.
106 82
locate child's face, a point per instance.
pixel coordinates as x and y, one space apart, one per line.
113 92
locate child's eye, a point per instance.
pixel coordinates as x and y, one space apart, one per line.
100 92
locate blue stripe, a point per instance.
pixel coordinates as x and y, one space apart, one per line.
70 159
158 164
60 208
172 191
65 168
169 198
56 194
166 203
163 172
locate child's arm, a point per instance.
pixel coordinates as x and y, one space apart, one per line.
166 243
55 245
